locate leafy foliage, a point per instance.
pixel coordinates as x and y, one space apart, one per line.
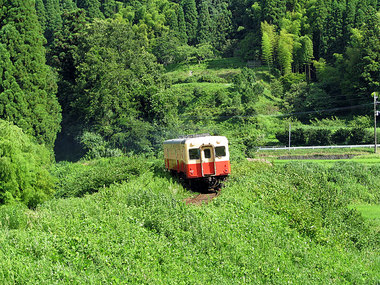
27 85
326 136
269 226
87 177
96 147
24 165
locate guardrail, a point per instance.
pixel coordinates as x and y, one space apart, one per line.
317 147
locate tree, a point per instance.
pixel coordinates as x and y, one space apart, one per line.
267 42
221 26
317 13
334 30
182 32
109 8
116 78
203 51
191 19
53 18
285 52
64 56
273 10
165 48
41 13
171 19
92 7
24 175
204 23
68 5
27 84
306 54
246 85
267 50
360 66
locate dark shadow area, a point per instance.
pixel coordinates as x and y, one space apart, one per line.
66 148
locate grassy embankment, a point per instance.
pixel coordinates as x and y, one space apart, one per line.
364 157
206 91
123 220
272 224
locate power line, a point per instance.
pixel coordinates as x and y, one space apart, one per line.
279 115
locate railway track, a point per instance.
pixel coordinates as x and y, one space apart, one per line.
203 198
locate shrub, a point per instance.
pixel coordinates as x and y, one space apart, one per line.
341 136
357 136
13 216
23 168
324 136
97 147
298 137
78 179
319 137
314 198
283 137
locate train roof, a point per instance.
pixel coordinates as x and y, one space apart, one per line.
198 139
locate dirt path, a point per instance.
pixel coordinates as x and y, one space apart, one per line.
203 198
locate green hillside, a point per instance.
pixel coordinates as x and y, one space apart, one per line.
90 90
269 225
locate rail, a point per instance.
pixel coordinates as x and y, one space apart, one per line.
317 147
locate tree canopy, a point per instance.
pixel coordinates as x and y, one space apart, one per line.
27 84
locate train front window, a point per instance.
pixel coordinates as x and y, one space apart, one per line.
207 153
194 153
220 151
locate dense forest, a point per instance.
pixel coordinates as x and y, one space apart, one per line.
94 77
90 89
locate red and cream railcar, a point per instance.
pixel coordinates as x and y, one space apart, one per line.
199 157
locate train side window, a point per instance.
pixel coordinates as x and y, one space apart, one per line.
194 153
207 153
220 151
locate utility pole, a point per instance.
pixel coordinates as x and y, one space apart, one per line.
375 114
290 133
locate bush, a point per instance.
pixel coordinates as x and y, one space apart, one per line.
13 216
23 168
97 147
319 137
341 136
298 137
283 137
314 198
324 136
270 225
359 135
78 179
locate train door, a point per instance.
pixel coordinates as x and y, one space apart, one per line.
208 160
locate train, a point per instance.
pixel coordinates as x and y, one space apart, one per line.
199 159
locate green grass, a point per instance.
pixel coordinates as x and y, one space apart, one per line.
366 159
327 162
313 152
202 85
370 213
211 71
361 155
270 225
214 64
